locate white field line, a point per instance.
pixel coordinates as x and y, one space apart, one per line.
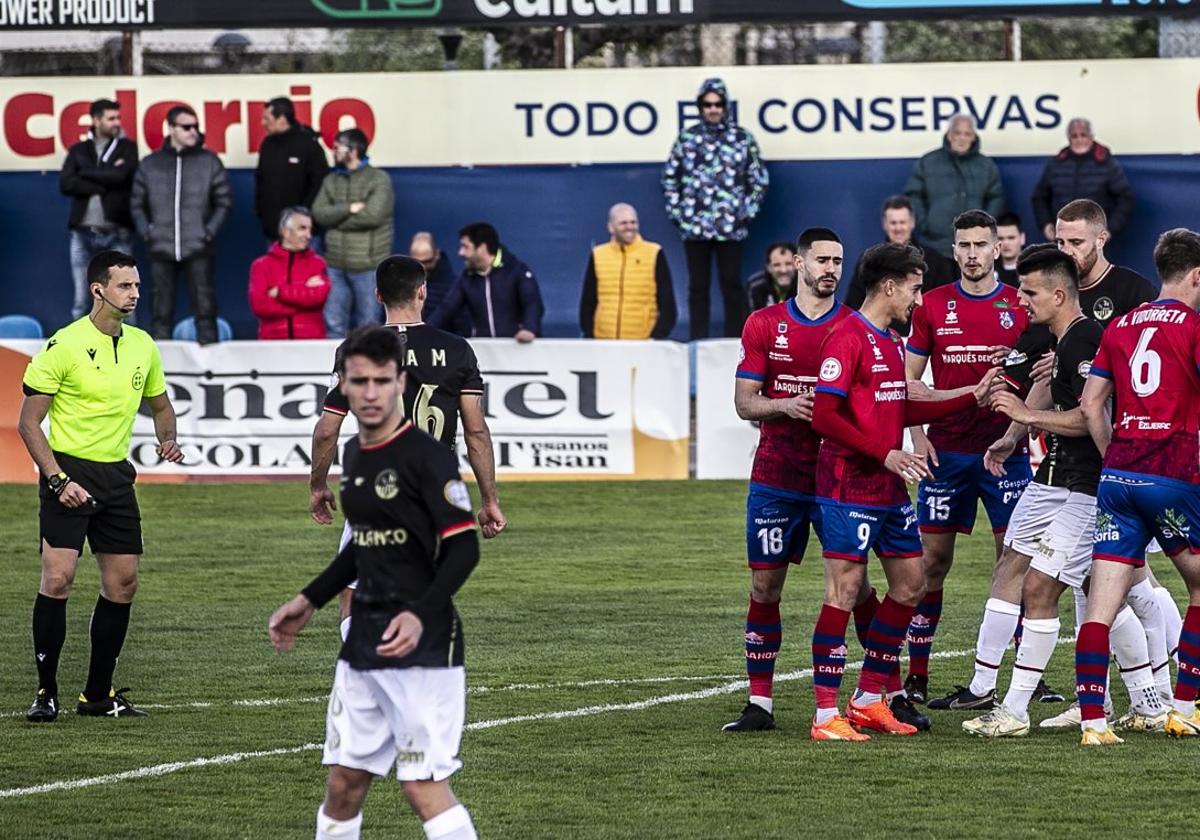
584 711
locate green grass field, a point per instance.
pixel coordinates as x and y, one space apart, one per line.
621 602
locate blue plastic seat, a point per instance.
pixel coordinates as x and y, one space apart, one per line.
20 326
185 330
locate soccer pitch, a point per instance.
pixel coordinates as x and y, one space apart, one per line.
603 636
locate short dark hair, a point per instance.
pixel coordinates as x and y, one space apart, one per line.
481 233
1176 252
97 108
397 279
100 265
807 237
896 202
973 219
174 113
778 245
1084 210
890 260
1008 219
355 138
1051 263
281 106
379 344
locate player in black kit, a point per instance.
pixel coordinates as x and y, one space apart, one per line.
399 694
443 383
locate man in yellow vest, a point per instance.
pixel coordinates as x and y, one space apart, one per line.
627 291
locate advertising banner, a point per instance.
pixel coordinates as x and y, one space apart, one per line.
556 409
157 14
834 113
725 443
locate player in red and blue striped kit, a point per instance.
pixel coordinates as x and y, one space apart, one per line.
779 358
955 331
861 409
1150 484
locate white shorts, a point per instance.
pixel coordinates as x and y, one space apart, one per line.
342 544
1065 551
1038 506
408 717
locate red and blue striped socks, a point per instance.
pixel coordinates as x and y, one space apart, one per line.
920 632
764 633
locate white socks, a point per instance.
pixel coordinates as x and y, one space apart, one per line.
995 632
452 824
765 703
1128 641
1172 620
345 627
1144 603
1080 607
1037 646
330 829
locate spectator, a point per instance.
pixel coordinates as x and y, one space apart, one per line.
289 284
627 291
355 206
497 290
180 201
291 166
439 274
1012 240
714 184
98 174
898 223
952 180
777 280
1082 169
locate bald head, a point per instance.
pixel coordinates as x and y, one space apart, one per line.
423 249
623 223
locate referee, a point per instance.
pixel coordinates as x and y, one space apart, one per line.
91 379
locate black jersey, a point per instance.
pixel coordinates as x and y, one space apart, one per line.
1072 462
441 368
402 497
1117 292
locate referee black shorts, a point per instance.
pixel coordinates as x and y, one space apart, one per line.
111 522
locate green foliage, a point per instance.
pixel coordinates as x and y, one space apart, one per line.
599 581
1041 39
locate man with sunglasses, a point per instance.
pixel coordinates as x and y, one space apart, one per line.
180 200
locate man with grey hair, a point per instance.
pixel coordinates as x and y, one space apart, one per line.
627 291
290 283
1087 169
952 180
440 277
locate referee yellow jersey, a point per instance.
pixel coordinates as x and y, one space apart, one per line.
98 382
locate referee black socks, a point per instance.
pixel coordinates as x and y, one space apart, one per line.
49 633
110 621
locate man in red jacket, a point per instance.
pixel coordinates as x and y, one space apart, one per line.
289 283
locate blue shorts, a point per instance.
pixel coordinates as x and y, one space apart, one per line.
777 525
1133 509
949 503
848 532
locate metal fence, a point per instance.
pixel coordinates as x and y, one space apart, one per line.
330 50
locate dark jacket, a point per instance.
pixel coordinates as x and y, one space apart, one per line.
183 225
943 184
762 291
109 175
1095 175
437 285
940 272
291 167
502 303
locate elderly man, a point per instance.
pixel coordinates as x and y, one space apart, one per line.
1082 169
898 222
627 291
952 180
440 277
289 284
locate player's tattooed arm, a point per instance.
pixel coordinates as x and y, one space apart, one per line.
1094 404
482 458
321 500
750 404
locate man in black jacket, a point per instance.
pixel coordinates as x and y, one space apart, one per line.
97 174
291 165
899 225
180 200
1087 169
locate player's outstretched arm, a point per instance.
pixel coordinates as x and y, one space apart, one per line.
289 620
321 501
1094 406
482 458
1067 423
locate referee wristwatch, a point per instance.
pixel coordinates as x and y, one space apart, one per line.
58 483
